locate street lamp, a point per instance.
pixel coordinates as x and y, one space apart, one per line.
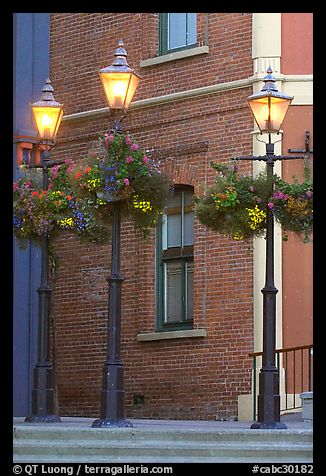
119 82
269 107
47 114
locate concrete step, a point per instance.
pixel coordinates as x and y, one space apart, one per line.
60 432
164 449
59 443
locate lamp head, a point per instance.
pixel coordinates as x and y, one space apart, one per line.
119 81
47 114
269 106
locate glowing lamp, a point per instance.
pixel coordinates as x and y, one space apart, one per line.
119 80
47 114
269 106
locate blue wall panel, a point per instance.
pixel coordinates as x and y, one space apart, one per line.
31 68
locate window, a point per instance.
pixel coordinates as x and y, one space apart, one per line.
177 31
175 262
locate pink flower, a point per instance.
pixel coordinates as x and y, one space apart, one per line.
126 182
55 171
108 139
134 147
129 159
128 140
145 159
270 205
71 168
251 188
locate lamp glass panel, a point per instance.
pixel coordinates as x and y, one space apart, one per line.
133 83
47 120
115 87
269 112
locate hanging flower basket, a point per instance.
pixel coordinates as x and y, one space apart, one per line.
38 212
122 172
292 205
236 206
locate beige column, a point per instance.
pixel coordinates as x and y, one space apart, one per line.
266 51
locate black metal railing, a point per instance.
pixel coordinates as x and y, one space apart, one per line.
294 365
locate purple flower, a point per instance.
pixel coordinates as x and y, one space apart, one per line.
126 182
279 195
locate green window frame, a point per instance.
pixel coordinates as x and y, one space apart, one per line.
175 262
177 31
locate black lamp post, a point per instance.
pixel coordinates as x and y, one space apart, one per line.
269 107
119 82
47 114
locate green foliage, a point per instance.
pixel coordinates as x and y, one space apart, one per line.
237 206
38 212
122 172
80 196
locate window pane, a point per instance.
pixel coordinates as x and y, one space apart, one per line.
188 198
173 292
188 231
189 291
174 200
191 28
177 30
174 230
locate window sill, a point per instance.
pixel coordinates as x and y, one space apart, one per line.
171 335
198 50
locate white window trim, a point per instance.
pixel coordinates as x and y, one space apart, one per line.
182 334
197 50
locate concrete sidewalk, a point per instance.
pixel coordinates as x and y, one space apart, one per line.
292 421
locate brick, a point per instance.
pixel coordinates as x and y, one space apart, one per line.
179 378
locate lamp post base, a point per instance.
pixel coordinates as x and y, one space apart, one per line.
107 423
43 398
273 425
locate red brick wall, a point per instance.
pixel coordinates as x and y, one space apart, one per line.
190 378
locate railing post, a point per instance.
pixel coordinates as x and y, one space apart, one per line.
309 368
287 374
254 388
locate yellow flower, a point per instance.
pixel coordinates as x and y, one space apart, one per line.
93 183
297 206
256 216
66 222
142 205
237 236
